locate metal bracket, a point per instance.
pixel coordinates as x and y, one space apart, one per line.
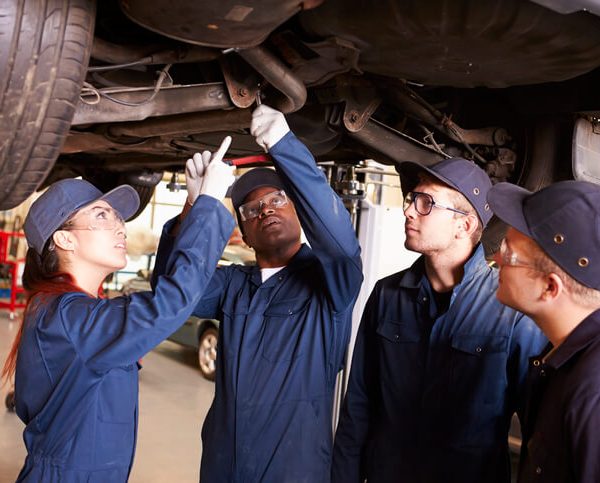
361 101
241 82
357 113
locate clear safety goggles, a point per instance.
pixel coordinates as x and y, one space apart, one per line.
253 209
96 219
506 257
424 203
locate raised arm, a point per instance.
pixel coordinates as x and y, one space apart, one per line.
117 332
205 173
325 220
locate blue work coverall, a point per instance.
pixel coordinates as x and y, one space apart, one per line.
430 396
76 383
282 342
561 434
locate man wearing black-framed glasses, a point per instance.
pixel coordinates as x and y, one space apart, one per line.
439 364
285 323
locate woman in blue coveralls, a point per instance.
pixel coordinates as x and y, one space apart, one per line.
76 380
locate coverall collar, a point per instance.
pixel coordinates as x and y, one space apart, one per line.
413 278
298 262
586 333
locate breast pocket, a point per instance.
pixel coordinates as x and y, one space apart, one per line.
284 330
479 366
398 332
118 395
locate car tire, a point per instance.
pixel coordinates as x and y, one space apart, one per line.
547 142
207 352
44 52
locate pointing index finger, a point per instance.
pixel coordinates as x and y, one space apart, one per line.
223 148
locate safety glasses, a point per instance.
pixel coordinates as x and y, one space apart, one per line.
424 203
506 257
253 209
96 218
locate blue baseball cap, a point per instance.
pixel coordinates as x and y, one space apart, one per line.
564 220
63 198
464 176
251 180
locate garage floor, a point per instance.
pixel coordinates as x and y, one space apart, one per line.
174 399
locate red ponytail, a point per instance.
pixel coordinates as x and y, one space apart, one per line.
40 277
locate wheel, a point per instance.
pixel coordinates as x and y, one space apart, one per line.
45 47
207 352
144 183
546 144
9 401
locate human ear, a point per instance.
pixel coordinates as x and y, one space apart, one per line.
553 287
64 240
468 225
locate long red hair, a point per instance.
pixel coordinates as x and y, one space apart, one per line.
40 277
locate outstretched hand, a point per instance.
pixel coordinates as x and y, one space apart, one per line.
218 176
268 126
206 173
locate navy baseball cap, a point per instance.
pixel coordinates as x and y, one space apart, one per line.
63 198
464 176
251 180
564 220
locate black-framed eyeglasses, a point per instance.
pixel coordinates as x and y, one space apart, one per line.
424 203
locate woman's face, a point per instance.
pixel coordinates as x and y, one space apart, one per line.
99 236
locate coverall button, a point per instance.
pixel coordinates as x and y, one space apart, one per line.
424 299
542 372
538 470
396 336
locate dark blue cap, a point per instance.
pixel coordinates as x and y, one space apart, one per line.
251 180
63 198
563 218
464 176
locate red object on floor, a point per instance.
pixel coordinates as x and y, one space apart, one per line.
14 264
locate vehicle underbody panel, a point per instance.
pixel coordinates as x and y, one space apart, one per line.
492 81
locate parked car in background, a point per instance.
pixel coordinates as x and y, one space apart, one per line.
199 334
202 335
121 90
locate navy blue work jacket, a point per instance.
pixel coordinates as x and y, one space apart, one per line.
76 382
561 434
282 342
430 396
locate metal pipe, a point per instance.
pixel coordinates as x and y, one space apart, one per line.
148 55
278 76
394 146
418 108
212 121
99 108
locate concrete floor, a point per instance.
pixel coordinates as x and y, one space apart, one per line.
174 399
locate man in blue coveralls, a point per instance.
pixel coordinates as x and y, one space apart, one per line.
285 324
439 364
550 269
